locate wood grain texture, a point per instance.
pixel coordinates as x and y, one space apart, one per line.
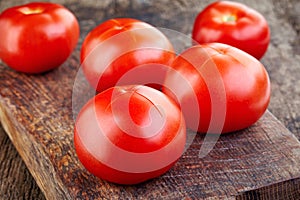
260 162
41 127
16 180
280 191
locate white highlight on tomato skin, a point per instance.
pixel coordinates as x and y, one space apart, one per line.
97 143
124 42
117 45
203 66
11 41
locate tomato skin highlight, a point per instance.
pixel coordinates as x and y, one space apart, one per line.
223 77
118 46
37 37
235 24
129 134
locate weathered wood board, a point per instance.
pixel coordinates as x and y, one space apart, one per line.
36 112
16 182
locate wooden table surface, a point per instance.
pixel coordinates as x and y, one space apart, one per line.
282 62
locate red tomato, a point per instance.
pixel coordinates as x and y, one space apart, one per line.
129 134
234 24
223 89
118 46
37 37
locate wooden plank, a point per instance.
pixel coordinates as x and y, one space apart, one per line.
283 190
13 169
36 112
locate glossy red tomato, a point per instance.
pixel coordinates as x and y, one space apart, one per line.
235 24
118 47
37 37
223 89
129 134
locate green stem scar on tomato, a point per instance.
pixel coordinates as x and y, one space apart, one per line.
235 24
129 134
37 37
229 18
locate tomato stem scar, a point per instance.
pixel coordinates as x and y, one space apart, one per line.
30 11
229 18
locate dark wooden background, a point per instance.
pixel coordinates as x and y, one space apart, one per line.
282 62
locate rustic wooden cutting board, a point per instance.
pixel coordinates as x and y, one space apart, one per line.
37 113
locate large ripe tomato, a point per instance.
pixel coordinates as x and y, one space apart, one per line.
235 24
129 134
118 47
223 89
37 37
